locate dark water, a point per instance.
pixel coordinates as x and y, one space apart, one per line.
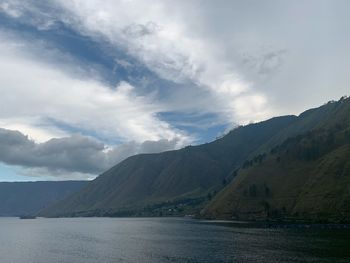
85 240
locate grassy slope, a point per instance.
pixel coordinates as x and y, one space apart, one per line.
306 178
327 115
188 176
296 189
180 176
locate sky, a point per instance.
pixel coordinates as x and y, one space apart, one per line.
85 84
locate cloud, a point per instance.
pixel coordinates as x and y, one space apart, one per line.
141 30
77 156
126 72
44 93
51 101
178 43
76 153
164 38
225 48
10 10
265 63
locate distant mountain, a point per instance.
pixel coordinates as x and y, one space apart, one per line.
28 198
171 182
307 177
210 176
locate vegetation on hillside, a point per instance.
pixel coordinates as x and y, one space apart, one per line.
285 167
148 184
307 177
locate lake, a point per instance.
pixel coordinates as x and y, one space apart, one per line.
84 240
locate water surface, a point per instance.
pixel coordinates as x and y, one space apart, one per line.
84 240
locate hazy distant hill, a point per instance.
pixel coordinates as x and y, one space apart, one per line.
182 181
21 198
305 177
179 180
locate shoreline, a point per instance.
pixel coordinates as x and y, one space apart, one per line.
276 224
234 223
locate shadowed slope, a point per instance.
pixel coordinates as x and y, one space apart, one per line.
305 177
21 198
181 176
182 181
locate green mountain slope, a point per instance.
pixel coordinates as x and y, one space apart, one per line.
183 181
143 183
305 177
328 115
22 198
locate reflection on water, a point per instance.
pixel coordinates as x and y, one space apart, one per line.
163 240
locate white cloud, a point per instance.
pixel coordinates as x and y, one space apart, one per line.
251 105
163 37
38 134
239 62
38 98
292 65
229 48
10 10
37 91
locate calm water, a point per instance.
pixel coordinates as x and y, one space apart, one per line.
85 240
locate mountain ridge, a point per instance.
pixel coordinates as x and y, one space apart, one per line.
185 181
307 177
22 198
151 179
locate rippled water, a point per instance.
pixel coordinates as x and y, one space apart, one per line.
163 240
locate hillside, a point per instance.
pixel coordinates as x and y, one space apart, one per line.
184 181
22 198
306 177
330 114
176 181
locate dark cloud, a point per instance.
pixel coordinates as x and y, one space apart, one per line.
76 153
140 30
266 63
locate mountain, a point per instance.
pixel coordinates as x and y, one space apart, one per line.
169 182
306 177
210 176
28 198
330 114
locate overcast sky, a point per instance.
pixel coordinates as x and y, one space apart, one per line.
86 83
